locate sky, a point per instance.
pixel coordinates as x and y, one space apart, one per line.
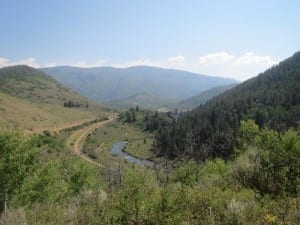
227 38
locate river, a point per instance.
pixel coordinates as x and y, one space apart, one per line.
118 150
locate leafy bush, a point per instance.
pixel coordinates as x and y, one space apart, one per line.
17 161
272 165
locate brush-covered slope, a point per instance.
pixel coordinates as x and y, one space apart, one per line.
34 85
272 99
197 100
107 83
31 100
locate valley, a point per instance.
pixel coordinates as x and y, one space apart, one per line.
232 157
149 112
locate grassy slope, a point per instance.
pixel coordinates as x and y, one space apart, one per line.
33 101
19 114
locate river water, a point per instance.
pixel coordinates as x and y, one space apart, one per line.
118 150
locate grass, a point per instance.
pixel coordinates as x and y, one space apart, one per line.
35 86
73 191
141 148
100 142
32 101
20 114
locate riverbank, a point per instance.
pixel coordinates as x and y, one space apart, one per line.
118 149
99 143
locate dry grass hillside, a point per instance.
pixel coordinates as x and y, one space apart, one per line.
32 101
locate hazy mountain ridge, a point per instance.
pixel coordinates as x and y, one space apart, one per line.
107 83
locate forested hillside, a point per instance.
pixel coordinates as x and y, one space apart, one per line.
271 99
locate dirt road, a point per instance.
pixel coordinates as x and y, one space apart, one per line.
75 141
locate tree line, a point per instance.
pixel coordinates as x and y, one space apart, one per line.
74 104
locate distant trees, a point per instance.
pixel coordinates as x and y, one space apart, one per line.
130 115
153 123
73 104
146 120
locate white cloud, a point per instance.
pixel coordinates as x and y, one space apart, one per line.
171 62
139 62
3 61
29 61
216 58
178 60
49 65
224 64
33 63
250 58
221 64
84 64
239 67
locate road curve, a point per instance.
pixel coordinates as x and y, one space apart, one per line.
79 137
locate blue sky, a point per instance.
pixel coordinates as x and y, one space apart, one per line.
227 38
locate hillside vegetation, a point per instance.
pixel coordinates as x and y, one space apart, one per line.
271 99
244 169
52 186
33 101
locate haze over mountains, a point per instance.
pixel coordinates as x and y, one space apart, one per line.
204 96
105 84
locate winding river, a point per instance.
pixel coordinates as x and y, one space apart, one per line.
118 150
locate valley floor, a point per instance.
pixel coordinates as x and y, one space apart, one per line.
76 139
91 186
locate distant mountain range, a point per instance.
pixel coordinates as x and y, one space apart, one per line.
106 84
148 101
